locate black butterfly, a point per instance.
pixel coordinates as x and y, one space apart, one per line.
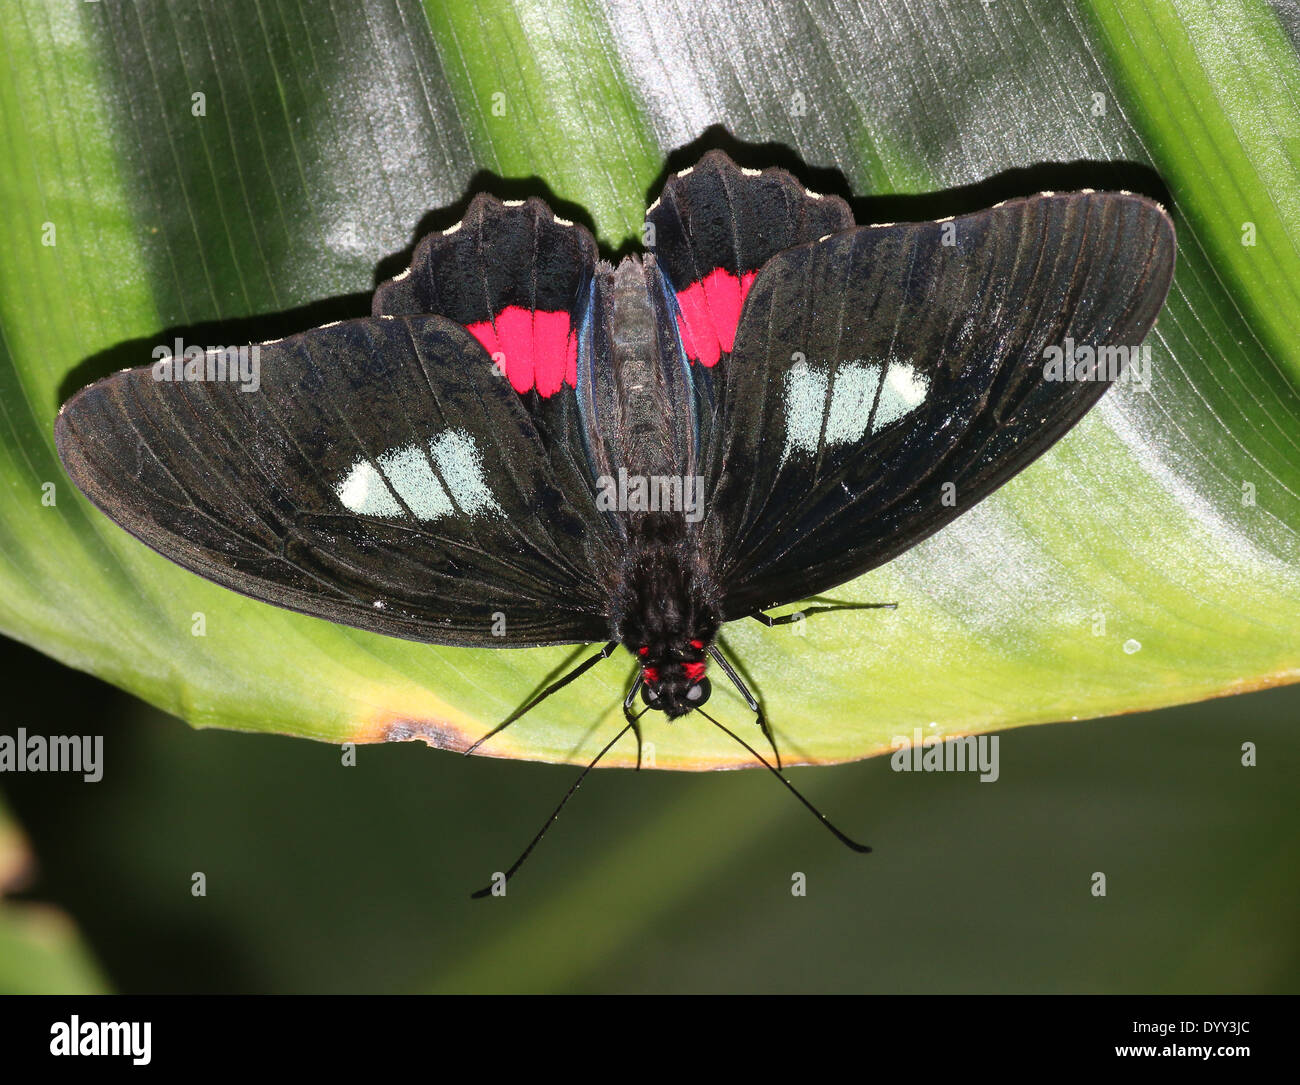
769 403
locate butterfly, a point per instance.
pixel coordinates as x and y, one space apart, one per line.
767 403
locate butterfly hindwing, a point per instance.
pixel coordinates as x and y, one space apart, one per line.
517 277
874 366
384 475
711 231
514 275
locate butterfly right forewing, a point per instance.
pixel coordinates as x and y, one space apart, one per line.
874 366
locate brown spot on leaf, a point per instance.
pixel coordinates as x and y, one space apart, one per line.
437 733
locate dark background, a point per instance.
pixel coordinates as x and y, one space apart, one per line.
325 878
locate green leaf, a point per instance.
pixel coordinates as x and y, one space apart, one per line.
1150 559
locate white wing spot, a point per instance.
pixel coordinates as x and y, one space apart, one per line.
408 473
857 386
904 390
461 465
512 203
453 229
365 492
750 173
403 275
805 393
811 194
854 392
687 171
559 221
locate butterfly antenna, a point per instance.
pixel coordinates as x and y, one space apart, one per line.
581 669
487 890
863 848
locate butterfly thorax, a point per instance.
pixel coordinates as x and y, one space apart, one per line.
634 385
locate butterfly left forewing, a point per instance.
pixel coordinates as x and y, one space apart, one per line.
382 474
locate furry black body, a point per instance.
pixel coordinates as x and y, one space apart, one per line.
664 607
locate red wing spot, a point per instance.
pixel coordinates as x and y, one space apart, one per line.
710 312
532 348
698 645
694 671
643 650
551 340
650 674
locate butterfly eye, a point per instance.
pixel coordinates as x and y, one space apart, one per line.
699 693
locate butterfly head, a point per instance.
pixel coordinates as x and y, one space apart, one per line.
672 676
666 616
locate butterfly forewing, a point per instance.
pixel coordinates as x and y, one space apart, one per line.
384 475
876 365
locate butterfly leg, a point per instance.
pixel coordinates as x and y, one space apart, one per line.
633 720
581 669
750 700
799 615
